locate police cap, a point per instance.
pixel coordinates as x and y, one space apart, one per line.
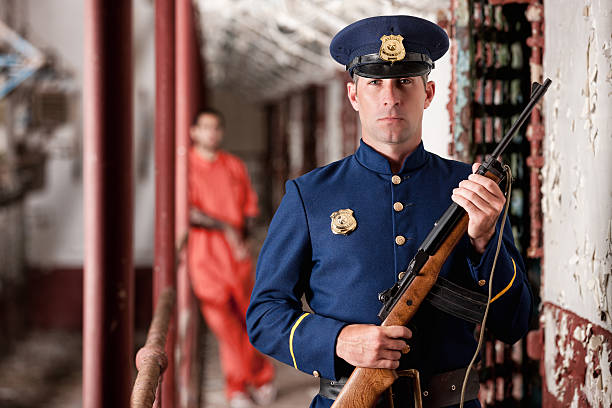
389 46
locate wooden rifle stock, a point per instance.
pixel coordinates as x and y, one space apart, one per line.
365 385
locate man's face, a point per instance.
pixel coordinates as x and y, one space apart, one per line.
208 131
391 109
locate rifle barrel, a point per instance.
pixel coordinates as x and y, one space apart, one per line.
538 92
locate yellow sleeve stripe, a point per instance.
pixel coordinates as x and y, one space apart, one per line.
507 287
297 323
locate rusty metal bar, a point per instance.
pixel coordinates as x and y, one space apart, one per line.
535 132
190 97
108 204
462 85
152 360
349 120
164 274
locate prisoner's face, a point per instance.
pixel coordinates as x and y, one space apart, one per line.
208 131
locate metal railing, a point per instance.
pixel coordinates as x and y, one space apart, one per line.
151 360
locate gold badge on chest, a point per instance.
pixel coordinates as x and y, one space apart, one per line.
343 222
392 49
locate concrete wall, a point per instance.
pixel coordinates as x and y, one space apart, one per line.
436 120
55 214
244 132
577 204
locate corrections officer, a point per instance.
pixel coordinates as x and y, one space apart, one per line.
383 200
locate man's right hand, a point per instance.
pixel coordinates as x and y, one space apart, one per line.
370 346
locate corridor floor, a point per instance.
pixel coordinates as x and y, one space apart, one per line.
295 389
44 370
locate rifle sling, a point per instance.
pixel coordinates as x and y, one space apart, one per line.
457 301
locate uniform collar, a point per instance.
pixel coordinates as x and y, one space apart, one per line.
375 161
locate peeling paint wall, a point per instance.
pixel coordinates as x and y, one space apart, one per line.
577 203
578 359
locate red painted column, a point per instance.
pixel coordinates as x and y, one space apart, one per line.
164 263
108 188
536 132
349 120
189 100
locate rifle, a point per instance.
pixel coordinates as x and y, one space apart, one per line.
401 302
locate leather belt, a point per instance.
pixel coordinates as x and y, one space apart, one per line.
329 388
441 390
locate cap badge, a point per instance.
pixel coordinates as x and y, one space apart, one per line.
392 49
343 222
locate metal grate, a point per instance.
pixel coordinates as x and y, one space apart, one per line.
491 83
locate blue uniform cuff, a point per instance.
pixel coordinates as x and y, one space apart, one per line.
505 270
312 344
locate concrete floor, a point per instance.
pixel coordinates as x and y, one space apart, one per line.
295 389
44 370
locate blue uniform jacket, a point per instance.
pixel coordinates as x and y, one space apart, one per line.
341 275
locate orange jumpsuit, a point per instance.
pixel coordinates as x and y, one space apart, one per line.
222 190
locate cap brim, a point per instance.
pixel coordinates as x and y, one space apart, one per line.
395 70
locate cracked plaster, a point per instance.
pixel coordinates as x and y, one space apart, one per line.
577 206
577 175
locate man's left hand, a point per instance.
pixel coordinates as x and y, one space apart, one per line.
483 200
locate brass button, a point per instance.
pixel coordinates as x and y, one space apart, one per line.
453 388
400 240
482 282
396 179
398 206
425 393
401 275
316 373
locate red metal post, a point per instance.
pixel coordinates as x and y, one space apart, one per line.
189 100
349 120
164 267
108 189
535 131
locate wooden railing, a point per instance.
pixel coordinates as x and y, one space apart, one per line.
151 360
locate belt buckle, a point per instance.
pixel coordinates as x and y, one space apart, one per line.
416 386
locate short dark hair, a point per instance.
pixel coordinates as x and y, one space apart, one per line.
209 111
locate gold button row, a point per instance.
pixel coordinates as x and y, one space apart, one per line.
397 206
